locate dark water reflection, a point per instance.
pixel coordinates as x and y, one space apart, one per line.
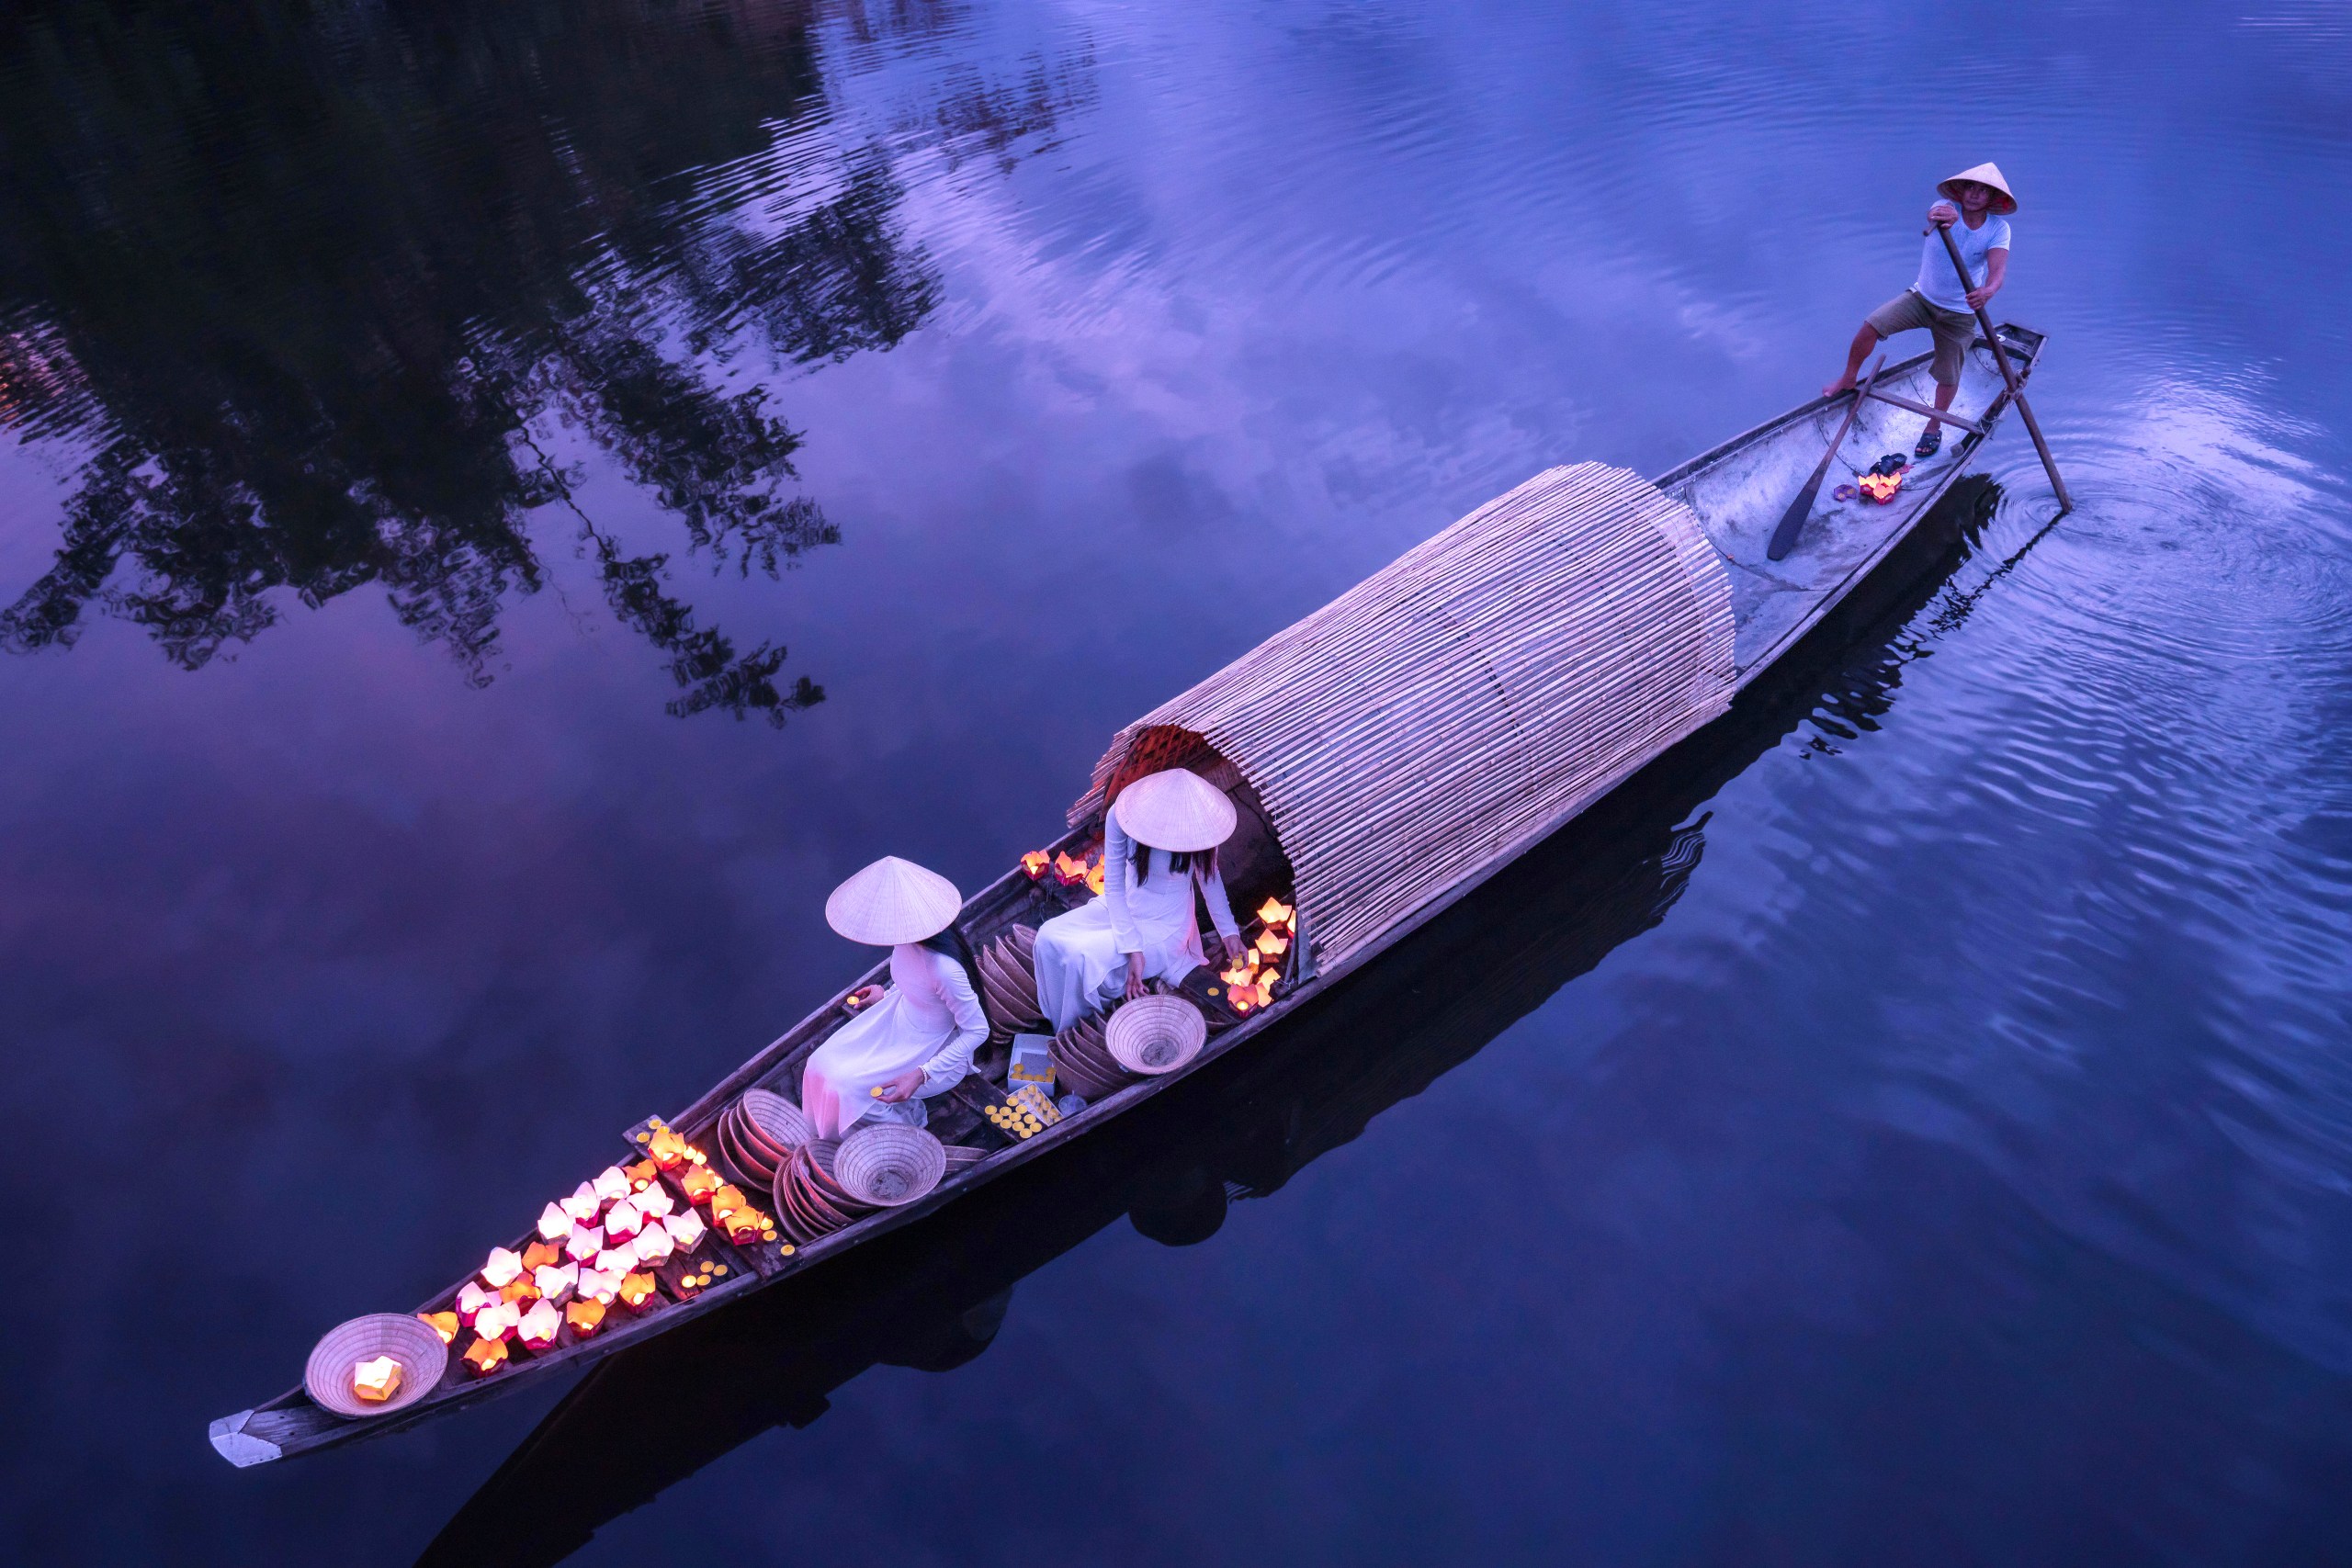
433 421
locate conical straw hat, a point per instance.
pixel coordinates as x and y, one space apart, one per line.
1176 809
1983 174
893 901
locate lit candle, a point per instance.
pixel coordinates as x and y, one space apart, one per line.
497 1320
598 1285
616 1260
668 1149
585 1318
486 1356
654 1202
518 1289
1274 912
540 1254
611 1185
637 1292
724 1201
539 1326
583 1205
503 1265
1034 863
700 1183
653 1247
376 1381
642 1174
743 1226
554 1224
445 1324
557 1284
622 1219
584 1242
472 1296
686 1230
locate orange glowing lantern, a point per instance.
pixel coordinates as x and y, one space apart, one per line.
584 1242
1067 871
599 1285
654 1202
611 1184
585 1318
1034 863
518 1289
445 1324
539 1326
699 1183
486 1356
554 1224
541 1254
686 1230
1880 488
727 1201
1094 877
641 1175
1274 912
583 1205
622 1219
668 1149
503 1267
1273 944
637 1292
376 1381
745 1225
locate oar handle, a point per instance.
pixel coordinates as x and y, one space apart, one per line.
2008 372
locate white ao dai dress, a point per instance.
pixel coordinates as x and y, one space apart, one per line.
1081 957
928 1018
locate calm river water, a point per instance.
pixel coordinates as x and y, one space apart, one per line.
506 505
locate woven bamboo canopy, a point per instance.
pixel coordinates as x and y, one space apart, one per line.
1469 697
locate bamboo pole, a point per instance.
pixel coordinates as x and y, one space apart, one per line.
2008 372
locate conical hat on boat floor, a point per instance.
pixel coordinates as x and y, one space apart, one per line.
746 1146
1175 809
893 901
2004 201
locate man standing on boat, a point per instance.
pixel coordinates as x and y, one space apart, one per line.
1980 226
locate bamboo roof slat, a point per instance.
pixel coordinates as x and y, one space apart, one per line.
1484 686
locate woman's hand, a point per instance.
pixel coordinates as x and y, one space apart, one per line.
1135 976
903 1086
863 997
1234 948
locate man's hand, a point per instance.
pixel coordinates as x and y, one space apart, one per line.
1977 298
1944 215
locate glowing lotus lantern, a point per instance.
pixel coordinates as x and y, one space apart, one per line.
1272 943
724 1201
585 1318
637 1292
700 1183
668 1149
686 1231
376 1381
502 1267
1067 871
1094 877
653 1247
445 1324
583 1205
1033 864
584 1242
539 1326
641 1175
746 1225
615 1261
654 1202
611 1184
622 1219
1274 912
486 1356
540 1254
554 1224
518 1289
555 1284
598 1285
472 1297
497 1320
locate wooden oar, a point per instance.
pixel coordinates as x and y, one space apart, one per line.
1784 538
2008 374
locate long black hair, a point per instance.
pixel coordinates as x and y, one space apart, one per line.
1179 861
950 944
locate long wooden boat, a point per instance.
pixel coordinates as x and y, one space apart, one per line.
1389 755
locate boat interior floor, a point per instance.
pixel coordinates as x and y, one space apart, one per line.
1740 499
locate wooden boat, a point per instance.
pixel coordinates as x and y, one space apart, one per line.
1388 754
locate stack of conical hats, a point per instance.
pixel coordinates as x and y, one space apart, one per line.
809 1202
1009 984
1083 1064
757 1134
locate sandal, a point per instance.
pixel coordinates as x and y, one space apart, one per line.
1930 443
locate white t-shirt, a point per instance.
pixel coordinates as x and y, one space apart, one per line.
1938 283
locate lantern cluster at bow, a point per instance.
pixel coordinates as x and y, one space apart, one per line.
1249 982
1063 869
603 1244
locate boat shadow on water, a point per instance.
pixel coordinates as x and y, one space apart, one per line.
931 1296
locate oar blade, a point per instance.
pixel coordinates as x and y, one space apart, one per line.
1784 538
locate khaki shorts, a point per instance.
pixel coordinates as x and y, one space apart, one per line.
1954 329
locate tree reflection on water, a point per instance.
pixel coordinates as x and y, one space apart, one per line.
307 288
